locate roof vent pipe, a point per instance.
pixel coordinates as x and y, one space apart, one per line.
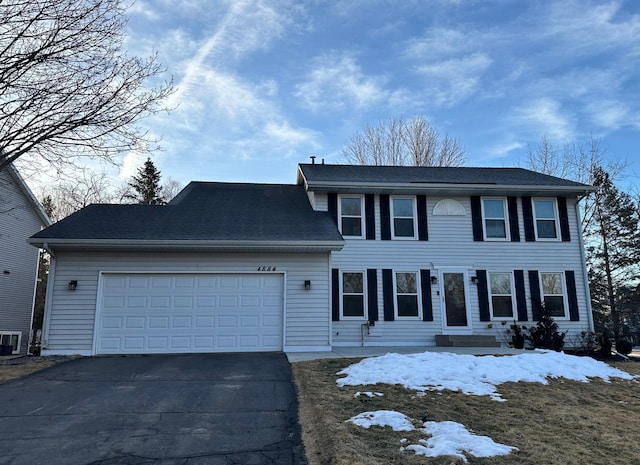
323 161
313 159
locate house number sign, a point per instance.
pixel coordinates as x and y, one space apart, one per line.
266 268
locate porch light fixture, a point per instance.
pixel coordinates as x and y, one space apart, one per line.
307 285
72 285
434 280
474 280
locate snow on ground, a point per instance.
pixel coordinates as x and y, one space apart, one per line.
368 394
396 420
446 437
471 374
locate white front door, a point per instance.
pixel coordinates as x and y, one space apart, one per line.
454 292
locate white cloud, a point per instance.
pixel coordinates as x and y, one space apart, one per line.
608 114
142 8
546 117
453 80
338 82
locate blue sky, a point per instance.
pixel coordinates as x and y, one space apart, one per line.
262 84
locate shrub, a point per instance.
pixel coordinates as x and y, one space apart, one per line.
517 338
623 346
605 345
545 334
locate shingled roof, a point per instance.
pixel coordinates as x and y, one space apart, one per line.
321 177
225 215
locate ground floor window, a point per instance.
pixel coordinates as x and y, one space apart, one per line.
501 293
553 293
406 287
353 294
12 339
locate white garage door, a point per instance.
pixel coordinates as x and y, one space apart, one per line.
163 313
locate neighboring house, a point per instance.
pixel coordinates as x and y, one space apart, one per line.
351 255
20 216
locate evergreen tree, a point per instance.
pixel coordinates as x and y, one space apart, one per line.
147 185
613 240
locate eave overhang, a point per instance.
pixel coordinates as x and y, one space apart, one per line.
185 245
452 189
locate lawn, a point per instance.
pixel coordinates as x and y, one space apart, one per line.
562 422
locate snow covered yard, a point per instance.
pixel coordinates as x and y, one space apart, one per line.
438 408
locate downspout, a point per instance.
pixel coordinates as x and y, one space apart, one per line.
48 298
585 272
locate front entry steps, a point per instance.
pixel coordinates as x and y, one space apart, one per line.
449 340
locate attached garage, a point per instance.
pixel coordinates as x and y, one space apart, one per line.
178 313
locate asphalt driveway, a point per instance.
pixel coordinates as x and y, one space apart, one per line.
154 409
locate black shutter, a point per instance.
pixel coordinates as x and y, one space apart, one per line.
476 218
572 296
335 294
387 291
521 299
372 294
536 300
332 205
425 285
564 219
369 213
514 227
385 218
483 295
423 230
527 213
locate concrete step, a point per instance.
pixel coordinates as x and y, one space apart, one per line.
450 340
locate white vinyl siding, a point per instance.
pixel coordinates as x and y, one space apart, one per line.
307 316
451 245
18 260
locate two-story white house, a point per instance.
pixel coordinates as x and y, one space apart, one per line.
20 216
349 255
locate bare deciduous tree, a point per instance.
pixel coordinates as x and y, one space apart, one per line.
399 142
67 86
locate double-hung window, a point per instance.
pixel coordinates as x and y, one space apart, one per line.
501 294
494 213
351 215
403 212
545 214
553 293
406 287
353 301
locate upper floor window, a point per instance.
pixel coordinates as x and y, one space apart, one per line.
353 294
494 214
351 215
545 214
553 293
403 212
501 295
406 287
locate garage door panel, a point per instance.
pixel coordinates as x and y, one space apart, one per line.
190 313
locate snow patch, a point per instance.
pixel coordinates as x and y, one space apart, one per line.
396 420
474 375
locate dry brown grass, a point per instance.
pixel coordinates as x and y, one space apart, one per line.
14 368
562 423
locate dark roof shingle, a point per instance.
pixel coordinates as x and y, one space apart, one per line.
206 211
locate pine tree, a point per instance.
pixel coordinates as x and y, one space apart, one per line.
147 185
613 239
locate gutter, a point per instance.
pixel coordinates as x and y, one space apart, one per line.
451 187
226 245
